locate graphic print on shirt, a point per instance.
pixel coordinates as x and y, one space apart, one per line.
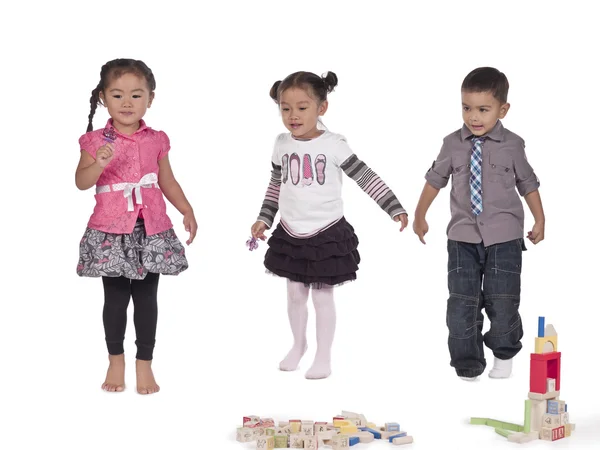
307 173
295 168
284 168
320 163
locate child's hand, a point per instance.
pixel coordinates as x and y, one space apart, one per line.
104 155
403 218
189 222
420 227
537 233
258 230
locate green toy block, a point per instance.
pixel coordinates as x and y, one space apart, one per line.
502 432
527 423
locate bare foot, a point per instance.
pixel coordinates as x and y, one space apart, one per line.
145 378
115 375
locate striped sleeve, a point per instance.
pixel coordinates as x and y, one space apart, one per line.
270 204
373 185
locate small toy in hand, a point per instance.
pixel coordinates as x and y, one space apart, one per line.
109 134
252 244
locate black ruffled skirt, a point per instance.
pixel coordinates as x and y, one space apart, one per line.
329 258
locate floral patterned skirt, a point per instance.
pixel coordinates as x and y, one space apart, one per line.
130 255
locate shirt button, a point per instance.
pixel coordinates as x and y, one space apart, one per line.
493 166
507 169
480 223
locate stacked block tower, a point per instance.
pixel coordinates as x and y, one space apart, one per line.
546 416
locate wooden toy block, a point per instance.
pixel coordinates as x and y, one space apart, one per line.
307 429
374 432
556 406
371 425
527 421
402 440
354 421
348 429
552 434
310 442
265 443
340 442
320 427
267 423
386 434
550 420
258 432
550 331
338 423
250 420
546 396
397 435
244 434
568 430
564 418
546 344
502 432
363 420
541 321
281 441
538 409
550 385
296 440
283 423
364 437
338 418
392 426
522 438
353 440
542 367
285 430
296 426
270 431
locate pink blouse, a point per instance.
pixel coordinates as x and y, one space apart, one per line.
128 186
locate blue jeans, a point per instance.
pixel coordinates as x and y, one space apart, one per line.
483 277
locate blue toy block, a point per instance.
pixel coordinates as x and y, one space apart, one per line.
541 321
402 434
375 433
552 407
392 426
354 440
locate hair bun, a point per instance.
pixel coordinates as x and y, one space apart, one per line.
274 89
330 80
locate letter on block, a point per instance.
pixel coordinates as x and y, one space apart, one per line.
551 420
340 442
245 434
296 440
310 442
265 443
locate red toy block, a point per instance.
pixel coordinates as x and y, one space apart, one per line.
542 367
558 433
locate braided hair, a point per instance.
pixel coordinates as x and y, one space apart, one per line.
115 69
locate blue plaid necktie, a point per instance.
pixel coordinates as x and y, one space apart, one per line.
475 179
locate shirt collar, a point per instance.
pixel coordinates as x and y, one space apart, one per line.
109 125
496 133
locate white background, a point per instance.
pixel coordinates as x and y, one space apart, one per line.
223 324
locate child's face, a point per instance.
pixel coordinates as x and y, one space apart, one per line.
481 111
300 112
127 98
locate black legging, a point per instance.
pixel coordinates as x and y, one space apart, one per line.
117 292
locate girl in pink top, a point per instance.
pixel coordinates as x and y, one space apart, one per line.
129 239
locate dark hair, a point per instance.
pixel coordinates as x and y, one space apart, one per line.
115 69
485 79
320 86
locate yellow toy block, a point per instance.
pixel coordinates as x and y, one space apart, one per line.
341 423
546 344
372 425
348 429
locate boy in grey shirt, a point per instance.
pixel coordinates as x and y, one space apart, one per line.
485 235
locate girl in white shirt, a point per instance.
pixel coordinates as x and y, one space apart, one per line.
313 245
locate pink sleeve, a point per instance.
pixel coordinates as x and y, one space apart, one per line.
165 144
88 143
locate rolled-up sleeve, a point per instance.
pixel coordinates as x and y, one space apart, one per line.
525 177
439 172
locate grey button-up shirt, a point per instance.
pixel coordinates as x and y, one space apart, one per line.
504 168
